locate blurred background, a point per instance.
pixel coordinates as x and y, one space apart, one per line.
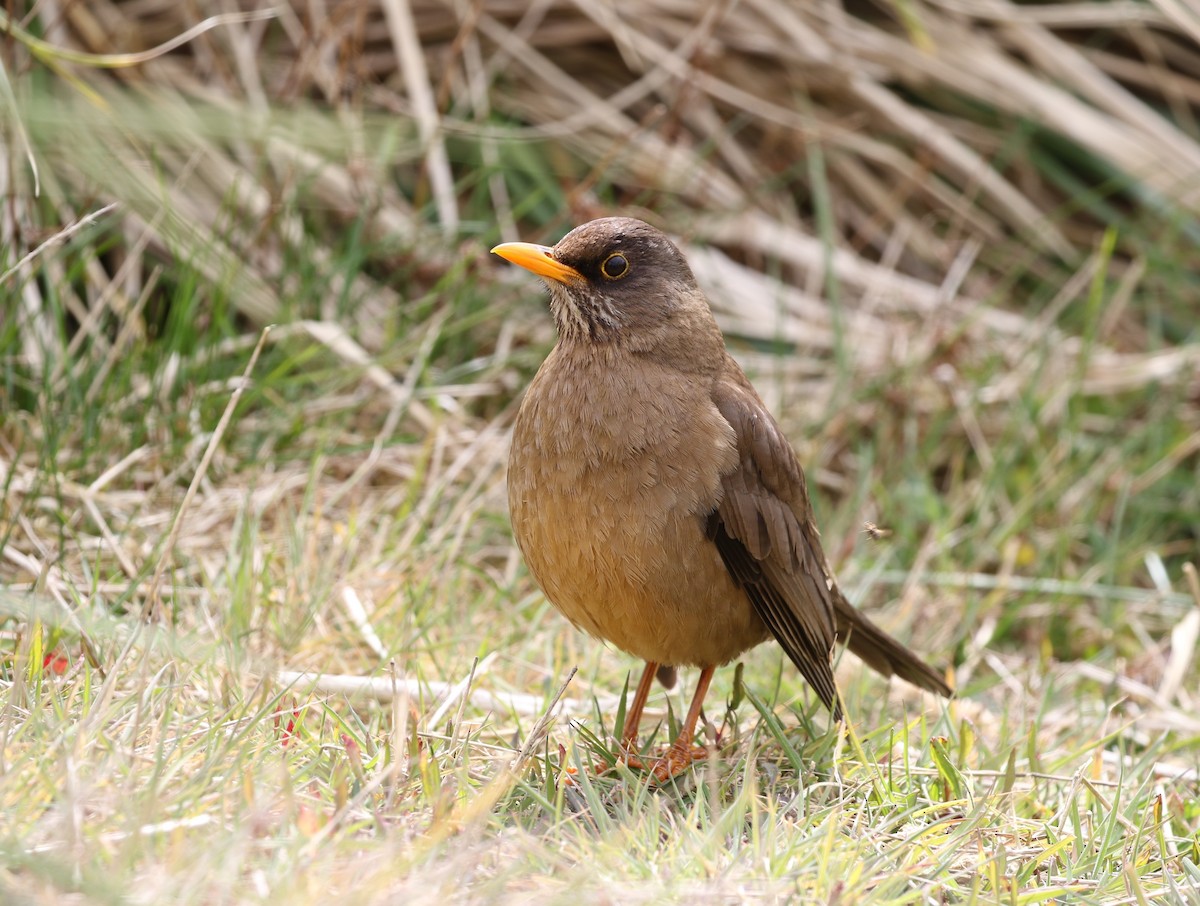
956 245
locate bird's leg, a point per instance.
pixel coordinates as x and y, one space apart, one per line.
682 753
633 716
627 749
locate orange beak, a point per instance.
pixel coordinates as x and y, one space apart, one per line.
539 259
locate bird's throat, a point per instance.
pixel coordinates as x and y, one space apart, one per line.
584 316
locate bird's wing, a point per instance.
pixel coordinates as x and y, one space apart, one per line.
764 531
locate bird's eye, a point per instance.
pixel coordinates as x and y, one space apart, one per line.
615 266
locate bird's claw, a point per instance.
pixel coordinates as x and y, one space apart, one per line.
675 761
671 763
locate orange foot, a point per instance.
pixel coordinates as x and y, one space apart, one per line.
626 756
673 761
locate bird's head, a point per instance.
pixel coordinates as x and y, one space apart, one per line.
616 280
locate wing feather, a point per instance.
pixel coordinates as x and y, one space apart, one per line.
764 533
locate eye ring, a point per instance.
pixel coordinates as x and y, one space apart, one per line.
615 266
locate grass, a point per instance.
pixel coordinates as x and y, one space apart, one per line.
352 687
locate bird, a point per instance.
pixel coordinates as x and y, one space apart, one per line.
654 497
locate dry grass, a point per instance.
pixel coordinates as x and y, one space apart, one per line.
953 243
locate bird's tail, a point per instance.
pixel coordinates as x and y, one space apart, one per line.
880 651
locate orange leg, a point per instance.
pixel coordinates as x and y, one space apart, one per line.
629 733
681 754
633 716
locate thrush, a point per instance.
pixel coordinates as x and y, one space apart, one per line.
654 497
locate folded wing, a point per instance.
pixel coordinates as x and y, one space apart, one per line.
764 533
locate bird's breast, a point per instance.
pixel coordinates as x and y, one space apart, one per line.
644 437
611 474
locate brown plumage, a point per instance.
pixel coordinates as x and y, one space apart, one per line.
655 498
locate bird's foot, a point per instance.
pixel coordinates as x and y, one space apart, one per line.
626 755
671 762
675 761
